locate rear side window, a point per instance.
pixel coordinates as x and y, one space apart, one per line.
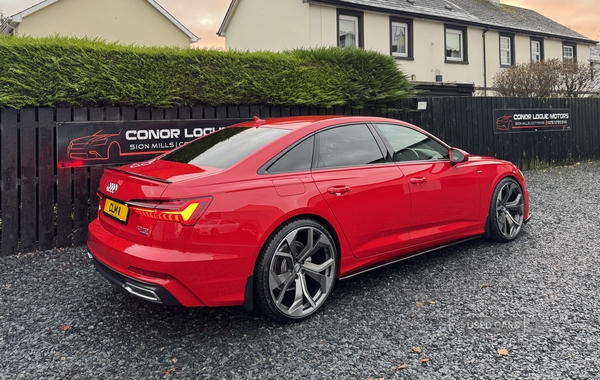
350 145
225 147
298 158
411 145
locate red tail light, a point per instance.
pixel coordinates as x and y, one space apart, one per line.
185 212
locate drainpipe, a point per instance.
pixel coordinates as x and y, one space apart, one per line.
484 63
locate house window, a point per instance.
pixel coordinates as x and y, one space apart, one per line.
569 52
401 38
349 29
537 50
507 57
456 44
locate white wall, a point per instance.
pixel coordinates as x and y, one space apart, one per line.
322 26
261 25
258 25
377 32
128 22
430 58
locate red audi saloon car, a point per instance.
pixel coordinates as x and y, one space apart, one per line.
269 214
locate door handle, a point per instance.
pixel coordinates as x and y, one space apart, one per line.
418 181
339 190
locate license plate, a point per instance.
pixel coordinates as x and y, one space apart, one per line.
116 210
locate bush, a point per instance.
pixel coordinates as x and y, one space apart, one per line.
71 72
550 78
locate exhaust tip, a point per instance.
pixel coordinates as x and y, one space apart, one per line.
140 292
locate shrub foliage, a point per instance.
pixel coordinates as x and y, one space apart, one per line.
72 72
550 78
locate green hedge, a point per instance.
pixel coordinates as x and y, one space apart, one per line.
69 72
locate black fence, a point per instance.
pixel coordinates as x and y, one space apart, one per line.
44 206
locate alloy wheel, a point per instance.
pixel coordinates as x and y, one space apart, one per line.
302 272
509 210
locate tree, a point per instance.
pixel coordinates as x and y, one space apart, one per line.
550 78
577 79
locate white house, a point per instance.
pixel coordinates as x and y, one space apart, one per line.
595 61
458 41
139 22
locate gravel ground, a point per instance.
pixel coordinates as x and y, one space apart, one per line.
447 314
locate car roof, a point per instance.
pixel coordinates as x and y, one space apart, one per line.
300 122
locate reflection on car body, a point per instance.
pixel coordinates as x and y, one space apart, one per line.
217 226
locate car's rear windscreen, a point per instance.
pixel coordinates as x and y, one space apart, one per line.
225 147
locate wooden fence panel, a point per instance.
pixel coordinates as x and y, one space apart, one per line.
9 174
46 178
204 113
44 207
221 113
64 193
594 141
28 201
79 188
97 114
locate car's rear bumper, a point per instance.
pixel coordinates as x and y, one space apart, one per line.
146 291
170 277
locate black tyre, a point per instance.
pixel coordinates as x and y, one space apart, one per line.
506 211
296 271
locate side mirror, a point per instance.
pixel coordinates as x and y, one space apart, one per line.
458 155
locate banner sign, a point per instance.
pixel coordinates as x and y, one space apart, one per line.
532 120
120 142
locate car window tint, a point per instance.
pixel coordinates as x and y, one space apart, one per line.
411 145
349 145
296 159
225 147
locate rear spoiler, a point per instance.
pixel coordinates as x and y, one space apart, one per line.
138 175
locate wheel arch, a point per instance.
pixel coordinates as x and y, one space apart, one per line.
491 230
318 218
249 289
490 193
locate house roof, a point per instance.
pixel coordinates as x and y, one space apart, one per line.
16 19
482 13
479 12
228 15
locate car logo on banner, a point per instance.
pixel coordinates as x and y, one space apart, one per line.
118 142
112 188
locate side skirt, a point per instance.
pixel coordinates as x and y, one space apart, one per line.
406 257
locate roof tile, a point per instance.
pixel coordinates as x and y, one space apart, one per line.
483 12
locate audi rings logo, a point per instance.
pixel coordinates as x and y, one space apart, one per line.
112 188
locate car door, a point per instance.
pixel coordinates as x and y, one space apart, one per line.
445 196
368 194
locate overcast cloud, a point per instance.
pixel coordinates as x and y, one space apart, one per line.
204 17
583 16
